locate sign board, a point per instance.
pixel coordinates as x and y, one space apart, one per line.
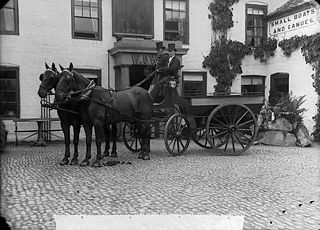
294 21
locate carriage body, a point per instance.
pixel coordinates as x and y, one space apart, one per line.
225 123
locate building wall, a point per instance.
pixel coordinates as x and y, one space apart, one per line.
45 35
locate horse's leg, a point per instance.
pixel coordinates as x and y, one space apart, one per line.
146 139
66 131
98 128
76 132
107 135
114 140
88 131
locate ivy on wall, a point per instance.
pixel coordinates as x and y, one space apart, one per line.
310 49
225 57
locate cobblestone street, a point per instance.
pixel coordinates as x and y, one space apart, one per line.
273 187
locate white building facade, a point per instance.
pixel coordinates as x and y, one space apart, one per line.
112 41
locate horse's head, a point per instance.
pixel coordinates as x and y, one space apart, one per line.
66 83
49 80
69 80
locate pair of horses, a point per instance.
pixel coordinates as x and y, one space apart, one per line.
101 109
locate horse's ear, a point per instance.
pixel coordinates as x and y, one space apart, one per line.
70 66
47 67
61 67
53 67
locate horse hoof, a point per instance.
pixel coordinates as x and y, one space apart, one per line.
97 164
64 162
146 157
113 154
106 154
141 155
74 162
84 163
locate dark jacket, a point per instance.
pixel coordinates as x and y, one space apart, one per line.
173 67
161 62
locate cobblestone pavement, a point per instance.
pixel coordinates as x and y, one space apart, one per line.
274 188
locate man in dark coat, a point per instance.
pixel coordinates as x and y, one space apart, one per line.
161 62
166 72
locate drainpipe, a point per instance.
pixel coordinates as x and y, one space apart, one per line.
108 69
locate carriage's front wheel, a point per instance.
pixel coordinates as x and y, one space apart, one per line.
177 134
131 138
231 128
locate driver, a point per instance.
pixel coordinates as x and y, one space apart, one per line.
166 71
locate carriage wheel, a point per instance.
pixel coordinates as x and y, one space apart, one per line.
231 128
131 137
177 134
199 136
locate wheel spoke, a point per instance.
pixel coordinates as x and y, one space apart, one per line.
242 124
224 117
181 143
227 142
244 136
219 134
232 142
239 141
242 117
224 125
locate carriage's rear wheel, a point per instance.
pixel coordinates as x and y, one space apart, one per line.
177 134
231 128
131 138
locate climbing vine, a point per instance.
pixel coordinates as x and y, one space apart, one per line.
310 49
265 49
224 62
225 57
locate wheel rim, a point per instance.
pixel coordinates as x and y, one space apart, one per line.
199 136
231 128
131 138
177 135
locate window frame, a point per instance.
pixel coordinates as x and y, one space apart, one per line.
264 22
251 93
120 34
99 22
187 42
16 20
204 82
273 79
17 72
90 71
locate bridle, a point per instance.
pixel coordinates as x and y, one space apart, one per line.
55 74
71 92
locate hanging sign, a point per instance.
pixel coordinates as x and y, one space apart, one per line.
294 21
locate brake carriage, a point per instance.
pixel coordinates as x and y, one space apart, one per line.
225 123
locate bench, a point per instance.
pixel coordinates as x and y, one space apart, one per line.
39 131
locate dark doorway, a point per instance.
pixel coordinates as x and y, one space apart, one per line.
138 73
279 84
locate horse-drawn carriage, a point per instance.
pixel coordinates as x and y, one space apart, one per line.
223 123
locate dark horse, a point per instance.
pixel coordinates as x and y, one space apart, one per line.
105 107
49 80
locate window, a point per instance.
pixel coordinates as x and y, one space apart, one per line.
176 21
132 18
91 74
86 19
9 92
194 83
9 18
256 28
279 84
252 85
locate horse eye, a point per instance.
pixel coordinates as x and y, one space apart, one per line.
41 77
